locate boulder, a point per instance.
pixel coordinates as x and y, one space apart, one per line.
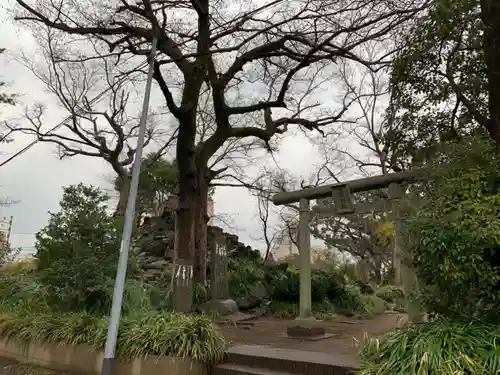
257 293
160 264
220 306
258 290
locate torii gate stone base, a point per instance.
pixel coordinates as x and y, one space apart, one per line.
305 326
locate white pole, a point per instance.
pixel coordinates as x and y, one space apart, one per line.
121 272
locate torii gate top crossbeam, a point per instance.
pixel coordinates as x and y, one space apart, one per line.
359 185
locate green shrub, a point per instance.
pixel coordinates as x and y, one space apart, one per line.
390 293
77 252
365 288
167 334
328 286
439 347
200 294
23 291
137 297
285 310
19 267
353 304
348 301
243 275
373 305
453 232
389 277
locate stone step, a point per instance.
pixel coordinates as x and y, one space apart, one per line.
291 361
232 369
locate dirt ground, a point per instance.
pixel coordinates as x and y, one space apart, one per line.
11 368
270 332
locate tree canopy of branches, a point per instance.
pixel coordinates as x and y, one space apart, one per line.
274 54
98 101
5 99
367 238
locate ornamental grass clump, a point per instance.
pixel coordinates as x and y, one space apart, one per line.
168 334
439 347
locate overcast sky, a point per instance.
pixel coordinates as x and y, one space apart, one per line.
36 178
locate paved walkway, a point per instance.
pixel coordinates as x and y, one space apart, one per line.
270 332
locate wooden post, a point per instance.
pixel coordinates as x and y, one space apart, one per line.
305 306
9 232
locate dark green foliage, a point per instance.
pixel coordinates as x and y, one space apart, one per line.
327 285
243 275
439 347
158 179
453 232
7 252
424 111
365 306
372 305
77 252
390 293
23 291
285 310
389 277
200 294
364 287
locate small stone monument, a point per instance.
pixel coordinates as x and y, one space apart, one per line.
219 284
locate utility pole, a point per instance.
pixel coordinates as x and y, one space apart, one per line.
121 272
6 228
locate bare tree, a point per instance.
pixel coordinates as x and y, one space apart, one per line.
357 237
268 50
6 99
100 124
279 225
369 92
271 234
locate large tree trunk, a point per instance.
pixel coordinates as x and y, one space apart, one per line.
188 187
490 14
200 230
121 206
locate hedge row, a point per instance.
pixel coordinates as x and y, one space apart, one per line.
166 334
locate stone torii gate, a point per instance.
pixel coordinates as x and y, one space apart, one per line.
305 326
